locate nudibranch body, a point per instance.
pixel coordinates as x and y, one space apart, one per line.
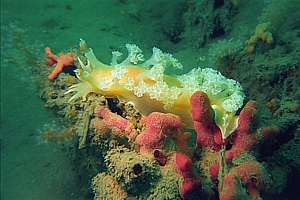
149 88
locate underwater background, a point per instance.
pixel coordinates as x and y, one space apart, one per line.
256 43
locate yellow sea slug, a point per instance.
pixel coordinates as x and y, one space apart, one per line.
149 88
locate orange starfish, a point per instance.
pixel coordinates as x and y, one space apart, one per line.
63 60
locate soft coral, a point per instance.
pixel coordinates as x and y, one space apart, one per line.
63 61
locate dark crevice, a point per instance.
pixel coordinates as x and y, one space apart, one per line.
218 3
218 32
113 105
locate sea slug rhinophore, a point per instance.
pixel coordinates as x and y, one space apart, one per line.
149 88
